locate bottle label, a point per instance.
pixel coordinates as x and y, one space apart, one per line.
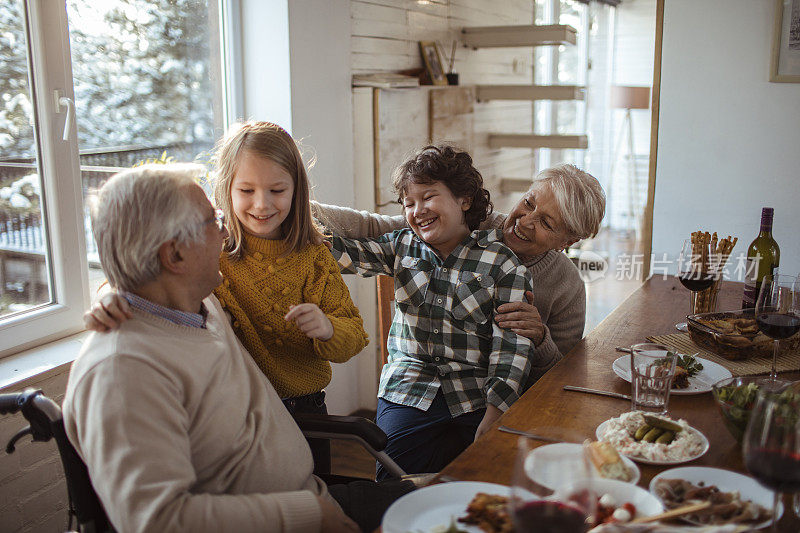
752 281
749 296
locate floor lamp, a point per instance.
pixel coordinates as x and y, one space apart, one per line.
628 98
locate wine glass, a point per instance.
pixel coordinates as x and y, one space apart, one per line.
694 272
778 311
772 441
534 506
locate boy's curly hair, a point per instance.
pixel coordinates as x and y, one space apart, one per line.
453 167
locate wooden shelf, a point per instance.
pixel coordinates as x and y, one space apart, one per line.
530 92
507 36
517 140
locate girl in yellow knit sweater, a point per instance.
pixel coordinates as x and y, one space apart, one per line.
288 303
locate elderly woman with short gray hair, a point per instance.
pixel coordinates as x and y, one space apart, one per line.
563 206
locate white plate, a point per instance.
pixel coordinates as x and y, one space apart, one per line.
435 506
646 504
698 384
727 481
561 474
601 430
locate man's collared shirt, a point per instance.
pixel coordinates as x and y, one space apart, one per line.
443 333
182 318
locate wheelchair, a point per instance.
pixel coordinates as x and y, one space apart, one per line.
85 508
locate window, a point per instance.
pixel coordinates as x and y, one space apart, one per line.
133 81
562 65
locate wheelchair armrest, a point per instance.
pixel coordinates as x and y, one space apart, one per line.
345 426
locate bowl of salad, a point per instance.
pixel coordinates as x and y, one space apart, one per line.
736 398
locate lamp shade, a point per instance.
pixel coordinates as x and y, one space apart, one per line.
626 97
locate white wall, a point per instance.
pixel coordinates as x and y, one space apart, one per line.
728 140
263 71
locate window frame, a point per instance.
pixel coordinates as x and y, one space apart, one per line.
59 171
62 204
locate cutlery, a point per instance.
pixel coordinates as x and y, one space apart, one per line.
623 349
507 429
600 392
680 511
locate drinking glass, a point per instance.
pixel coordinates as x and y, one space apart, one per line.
694 273
652 370
772 441
778 311
534 507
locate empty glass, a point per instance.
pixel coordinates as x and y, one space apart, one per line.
652 370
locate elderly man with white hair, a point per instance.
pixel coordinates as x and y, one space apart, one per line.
178 427
563 205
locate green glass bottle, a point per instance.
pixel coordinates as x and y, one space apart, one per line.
763 257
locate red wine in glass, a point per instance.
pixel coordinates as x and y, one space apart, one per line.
696 283
778 325
543 516
775 468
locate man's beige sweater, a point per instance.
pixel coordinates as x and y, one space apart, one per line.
181 431
558 290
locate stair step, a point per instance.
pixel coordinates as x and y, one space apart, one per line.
507 36
517 140
508 185
530 92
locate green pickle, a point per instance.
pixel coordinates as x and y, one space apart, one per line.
641 432
667 425
652 435
665 438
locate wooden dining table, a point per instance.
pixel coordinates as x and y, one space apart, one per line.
653 309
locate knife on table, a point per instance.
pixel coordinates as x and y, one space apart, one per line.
600 392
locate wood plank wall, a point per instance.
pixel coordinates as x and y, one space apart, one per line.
385 36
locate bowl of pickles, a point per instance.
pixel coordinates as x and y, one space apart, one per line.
736 398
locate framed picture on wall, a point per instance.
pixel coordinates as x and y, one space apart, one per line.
433 62
785 61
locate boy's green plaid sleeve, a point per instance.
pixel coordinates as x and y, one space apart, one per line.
365 257
510 360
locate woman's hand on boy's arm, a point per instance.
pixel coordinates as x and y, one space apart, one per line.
107 313
311 321
522 318
492 414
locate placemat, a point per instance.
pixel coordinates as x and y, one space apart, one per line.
681 342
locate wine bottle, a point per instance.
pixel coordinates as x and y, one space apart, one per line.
763 257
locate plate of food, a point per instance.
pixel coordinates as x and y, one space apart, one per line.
617 501
605 458
443 507
653 440
735 498
693 375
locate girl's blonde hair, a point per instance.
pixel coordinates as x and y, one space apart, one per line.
268 140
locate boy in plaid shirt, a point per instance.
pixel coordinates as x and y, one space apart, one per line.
452 371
